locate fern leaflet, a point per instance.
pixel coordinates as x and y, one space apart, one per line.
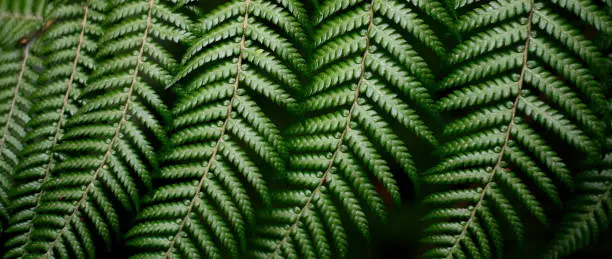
590 211
69 49
368 77
17 81
20 18
222 141
109 158
501 145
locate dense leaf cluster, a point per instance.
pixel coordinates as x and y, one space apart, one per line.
291 129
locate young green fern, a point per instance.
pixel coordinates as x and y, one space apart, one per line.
69 46
367 77
521 74
223 143
109 157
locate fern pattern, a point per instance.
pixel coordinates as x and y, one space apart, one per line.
589 213
369 76
204 200
108 155
70 48
304 129
499 145
19 18
17 81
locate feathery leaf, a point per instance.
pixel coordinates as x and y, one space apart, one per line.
109 159
520 78
223 143
69 47
367 78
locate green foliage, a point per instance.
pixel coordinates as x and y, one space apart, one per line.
589 214
19 18
17 80
222 140
367 77
108 155
521 77
69 47
299 129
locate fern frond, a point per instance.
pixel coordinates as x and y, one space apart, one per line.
520 86
248 55
368 78
589 214
18 77
109 158
69 65
20 18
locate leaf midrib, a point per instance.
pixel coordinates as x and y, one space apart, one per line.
340 139
9 117
96 173
497 166
215 149
58 128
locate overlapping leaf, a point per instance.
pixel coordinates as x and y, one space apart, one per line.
110 142
245 64
69 48
525 89
589 214
17 19
18 77
21 18
367 79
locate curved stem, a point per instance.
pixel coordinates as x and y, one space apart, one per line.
215 149
9 116
497 166
59 122
97 172
347 128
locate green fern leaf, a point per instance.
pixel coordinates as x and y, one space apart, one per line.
69 46
247 53
589 213
18 78
109 158
20 18
368 78
521 84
